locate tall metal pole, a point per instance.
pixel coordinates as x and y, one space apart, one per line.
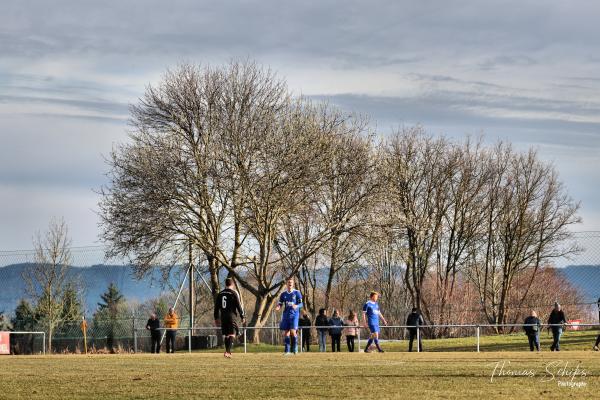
478 336
191 294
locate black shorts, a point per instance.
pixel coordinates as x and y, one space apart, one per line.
229 327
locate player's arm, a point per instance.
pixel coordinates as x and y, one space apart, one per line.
299 303
382 317
238 307
279 303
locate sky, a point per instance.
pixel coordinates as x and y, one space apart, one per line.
523 71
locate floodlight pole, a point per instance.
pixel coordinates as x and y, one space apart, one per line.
191 293
598 309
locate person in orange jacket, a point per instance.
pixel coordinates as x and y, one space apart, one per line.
171 323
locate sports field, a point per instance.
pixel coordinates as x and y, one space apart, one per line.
313 375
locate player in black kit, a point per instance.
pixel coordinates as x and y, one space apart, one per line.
227 307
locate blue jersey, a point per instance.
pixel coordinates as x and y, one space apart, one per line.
371 308
286 300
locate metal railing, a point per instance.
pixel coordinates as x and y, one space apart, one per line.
476 327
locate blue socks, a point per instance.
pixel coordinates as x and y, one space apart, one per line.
287 344
294 344
369 343
377 344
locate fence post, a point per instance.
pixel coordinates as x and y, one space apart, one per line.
135 340
301 347
359 347
418 339
190 341
44 343
245 342
477 338
133 327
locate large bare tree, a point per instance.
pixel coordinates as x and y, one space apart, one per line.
528 217
225 159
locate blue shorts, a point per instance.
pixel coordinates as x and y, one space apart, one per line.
289 323
374 328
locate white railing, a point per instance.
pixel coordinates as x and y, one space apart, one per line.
476 327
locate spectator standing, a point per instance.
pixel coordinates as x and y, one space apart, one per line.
351 324
335 331
414 321
532 329
153 326
321 323
171 323
305 325
556 320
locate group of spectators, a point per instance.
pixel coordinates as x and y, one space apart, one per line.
556 321
336 326
171 322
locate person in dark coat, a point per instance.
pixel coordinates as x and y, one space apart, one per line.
532 327
414 320
305 325
336 323
153 326
321 323
556 320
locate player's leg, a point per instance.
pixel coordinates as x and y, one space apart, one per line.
286 340
369 342
228 345
597 343
376 341
294 341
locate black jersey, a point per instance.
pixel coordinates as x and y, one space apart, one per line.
228 304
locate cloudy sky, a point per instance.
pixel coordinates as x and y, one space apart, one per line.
528 72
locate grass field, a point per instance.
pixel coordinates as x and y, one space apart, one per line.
304 376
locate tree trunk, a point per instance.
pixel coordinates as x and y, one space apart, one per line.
263 306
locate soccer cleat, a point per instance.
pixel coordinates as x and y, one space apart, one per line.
227 355
367 350
380 351
596 348
287 354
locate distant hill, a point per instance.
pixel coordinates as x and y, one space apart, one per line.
586 278
95 280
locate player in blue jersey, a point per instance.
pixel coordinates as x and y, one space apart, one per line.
291 300
371 315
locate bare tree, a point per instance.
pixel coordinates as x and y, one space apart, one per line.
349 193
417 170
528 216
225 159
47 280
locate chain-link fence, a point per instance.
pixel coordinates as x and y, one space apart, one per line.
126 331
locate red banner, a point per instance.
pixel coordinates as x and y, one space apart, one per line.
4 342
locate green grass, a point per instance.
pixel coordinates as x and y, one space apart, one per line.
304 376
